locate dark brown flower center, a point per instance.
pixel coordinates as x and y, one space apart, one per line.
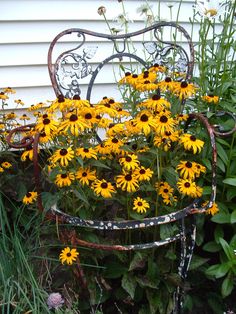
140 204
111 101
28 194
163 119
127 74
61 98
68 254
128 177
134 76
114 140
63 175
193 138
156 97
73 117
88 116
167 133
147 82
187 184
144 118
188 164
104 185
46 121
128 159
142 171
184 84
84 174
86 150
165 190
105 97
63 152
168 79
107 105
76 97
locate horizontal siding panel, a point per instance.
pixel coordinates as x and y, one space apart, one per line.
34 95
36 54
85 10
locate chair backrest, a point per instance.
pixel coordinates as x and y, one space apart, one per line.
158 44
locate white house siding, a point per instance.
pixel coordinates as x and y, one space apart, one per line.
28 26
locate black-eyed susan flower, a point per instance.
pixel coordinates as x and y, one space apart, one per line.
114 145
199 169
211 98
74 123
181 117
19 102
166 85
28 153
190 142
85 175
103 188
147 85
156 103
115 129
214 209
30 198
86 153
126 78
157 68
68 256
24 117
127 182
187 169
46 124
143 174
10 116
140 205
9 90
79 103
184 90
129 162
64 179
187 187
1 169
147 75
6 165
89 115
164 189
3 96
63 156
145 122
164 123
44 138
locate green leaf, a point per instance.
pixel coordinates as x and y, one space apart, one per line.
129 284
49 199
218 233
220 164
212 270
99 164
222 270
211 247
138 261
229 252
222 153
221 218
231 193
227 285
81 195
114 270
233 217
230 181
153 300
197 261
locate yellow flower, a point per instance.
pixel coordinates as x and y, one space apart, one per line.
24 117
30 197
103 188
3 96
156 103
19 102
28 153
1 170
164 189
188 169
64 179
145 86
68 256
86 153
140 205
74 123
63 156
164 123
214 209
143 174
187 187
145 122
85 175
6 164
211 99
166 85
9 90
127 182
46 124
190 142
184 89
129 162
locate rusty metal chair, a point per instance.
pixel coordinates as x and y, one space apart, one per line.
68 73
